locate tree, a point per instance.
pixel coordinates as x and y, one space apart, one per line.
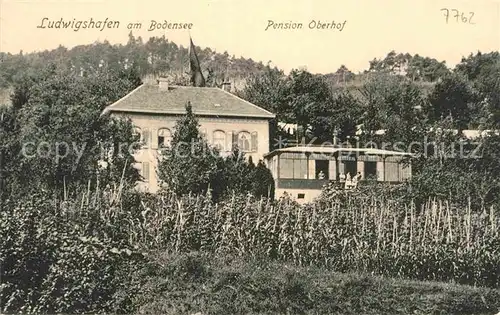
426 69
455 97
262 181
343 75
238 172
482 71
268 90
416 68
9 146
309 98
64 137
393 104
190 165
345 116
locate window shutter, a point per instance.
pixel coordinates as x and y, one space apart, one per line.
154 138
254 144
146 135
235 140
145 171
229 141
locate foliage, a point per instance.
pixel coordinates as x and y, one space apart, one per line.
189 164
309 99
416 67
300 98
392 104
238 172
342 76
61 134
458 169
9 145
453 97
371 231
54 260
482 71
83 255
156 56
205 284
76 254
267 90
262 181
346 115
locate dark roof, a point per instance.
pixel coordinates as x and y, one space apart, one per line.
205 101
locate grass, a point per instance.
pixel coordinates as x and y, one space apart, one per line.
197 283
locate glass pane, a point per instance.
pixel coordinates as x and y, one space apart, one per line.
391 171
300 169
286 168
288 155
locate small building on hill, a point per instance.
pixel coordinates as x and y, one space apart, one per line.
302 171
225 120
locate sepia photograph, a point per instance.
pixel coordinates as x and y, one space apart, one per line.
249 157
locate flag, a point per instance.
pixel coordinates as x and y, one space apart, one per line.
197 78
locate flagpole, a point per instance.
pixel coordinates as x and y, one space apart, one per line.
189 53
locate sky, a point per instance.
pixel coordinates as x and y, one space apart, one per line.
364 29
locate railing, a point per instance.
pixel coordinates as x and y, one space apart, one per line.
301 183
289 183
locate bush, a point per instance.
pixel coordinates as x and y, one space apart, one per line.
52 264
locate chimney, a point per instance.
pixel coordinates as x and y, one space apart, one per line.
226 86
163 84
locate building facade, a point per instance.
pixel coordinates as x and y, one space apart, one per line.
225 120
302 172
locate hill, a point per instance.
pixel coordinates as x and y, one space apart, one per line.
160 57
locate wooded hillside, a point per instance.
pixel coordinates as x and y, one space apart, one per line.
159 56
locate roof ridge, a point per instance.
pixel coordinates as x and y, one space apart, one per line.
182 112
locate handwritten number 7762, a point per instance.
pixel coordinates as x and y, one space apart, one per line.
459 16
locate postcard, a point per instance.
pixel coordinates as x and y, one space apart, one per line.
249 157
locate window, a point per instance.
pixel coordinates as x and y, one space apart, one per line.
391 171
244 141
164 137
286 168
371 169
350 167
293 166
301 196
392 168
146 137
322 171
219 139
